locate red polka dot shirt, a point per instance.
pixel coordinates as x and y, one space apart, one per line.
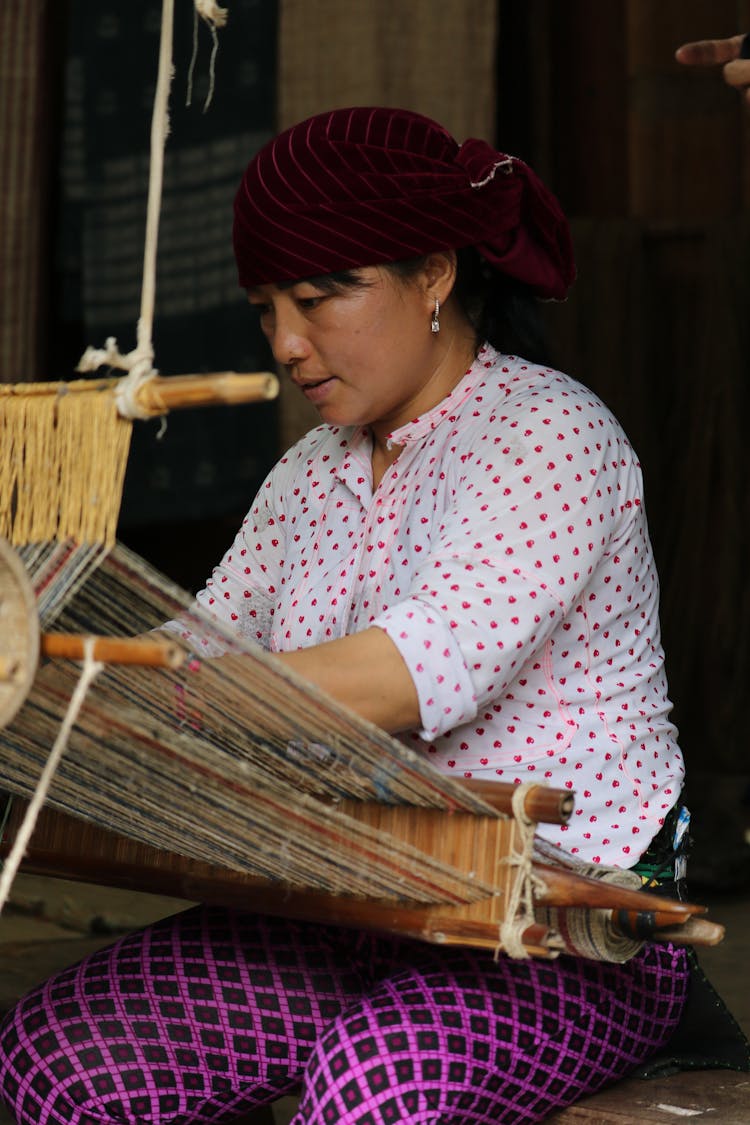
506 554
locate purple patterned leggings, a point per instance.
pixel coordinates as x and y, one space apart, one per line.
203 1016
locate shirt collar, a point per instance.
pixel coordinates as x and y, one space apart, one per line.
447 408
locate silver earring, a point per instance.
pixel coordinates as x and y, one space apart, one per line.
435 322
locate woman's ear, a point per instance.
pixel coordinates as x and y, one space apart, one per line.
440 274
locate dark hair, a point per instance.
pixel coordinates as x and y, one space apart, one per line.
500 310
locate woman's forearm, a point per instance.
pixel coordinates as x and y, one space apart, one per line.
366 673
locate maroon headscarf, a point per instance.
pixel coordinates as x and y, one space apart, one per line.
365 186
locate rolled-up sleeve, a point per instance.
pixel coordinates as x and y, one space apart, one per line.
533 511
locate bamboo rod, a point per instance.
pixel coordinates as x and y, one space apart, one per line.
542 804
227 388
649 925
73 849
163 393
644 922
563 887
113 650
694 931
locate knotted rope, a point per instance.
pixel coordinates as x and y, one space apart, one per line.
519 912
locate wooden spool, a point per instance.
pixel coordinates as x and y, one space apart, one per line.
21 643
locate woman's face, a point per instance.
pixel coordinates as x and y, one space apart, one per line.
362 354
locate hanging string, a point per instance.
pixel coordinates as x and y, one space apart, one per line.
91 670
139 362
215 17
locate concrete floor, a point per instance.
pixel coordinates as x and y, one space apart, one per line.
51 923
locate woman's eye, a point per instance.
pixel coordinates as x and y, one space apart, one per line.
308 303
260 310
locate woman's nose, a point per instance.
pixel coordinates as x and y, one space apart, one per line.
289 343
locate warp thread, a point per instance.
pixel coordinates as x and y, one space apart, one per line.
91 669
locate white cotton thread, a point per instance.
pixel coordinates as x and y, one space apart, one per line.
211 12
91 669
139 362
212 69
507 166
128 389
193 60
214 17
519 912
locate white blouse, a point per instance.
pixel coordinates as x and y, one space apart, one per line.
506 554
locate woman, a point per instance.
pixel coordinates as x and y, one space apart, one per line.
459 553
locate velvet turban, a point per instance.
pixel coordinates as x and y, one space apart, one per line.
365 186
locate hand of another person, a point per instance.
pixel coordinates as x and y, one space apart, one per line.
732 54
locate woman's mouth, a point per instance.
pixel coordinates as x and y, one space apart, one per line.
317 392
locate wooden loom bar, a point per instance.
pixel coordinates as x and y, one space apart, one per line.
693 931
113 650
65 847
560 889
542 804
448 838
69 848
162 393
222 388
197 882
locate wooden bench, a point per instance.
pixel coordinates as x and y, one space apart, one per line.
721 1097
718 1097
